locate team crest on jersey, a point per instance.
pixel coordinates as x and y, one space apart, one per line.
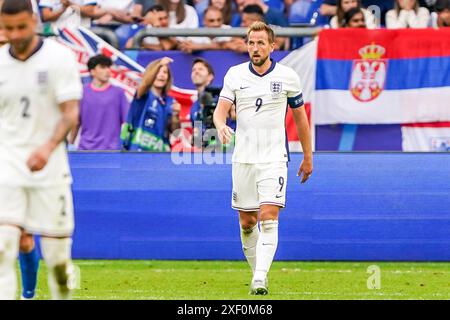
276 87
368 74
42 78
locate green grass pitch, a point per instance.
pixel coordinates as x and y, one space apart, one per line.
229 280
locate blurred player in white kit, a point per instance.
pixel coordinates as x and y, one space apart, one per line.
40 89
261 90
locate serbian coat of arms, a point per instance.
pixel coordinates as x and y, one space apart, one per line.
368 74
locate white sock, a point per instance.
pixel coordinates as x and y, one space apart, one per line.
249 239
9 250
266 248
57 256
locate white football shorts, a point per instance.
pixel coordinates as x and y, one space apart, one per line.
44 211
255 184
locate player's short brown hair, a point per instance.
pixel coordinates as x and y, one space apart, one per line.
261 26
12 7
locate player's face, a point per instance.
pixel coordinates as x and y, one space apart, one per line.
3 39
259 47
200 75
101 73
19 30
161 77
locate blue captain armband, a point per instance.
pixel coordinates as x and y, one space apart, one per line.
296 102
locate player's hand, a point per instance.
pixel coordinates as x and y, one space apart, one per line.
306 168
39 158
176 107
225 134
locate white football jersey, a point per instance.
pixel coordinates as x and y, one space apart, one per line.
30 94
261 106
72 16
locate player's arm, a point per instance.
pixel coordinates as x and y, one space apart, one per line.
221 113
70 115
304 134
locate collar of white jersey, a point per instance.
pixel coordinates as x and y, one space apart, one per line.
35 50
250 66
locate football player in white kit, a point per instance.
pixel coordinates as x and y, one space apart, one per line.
261 90
40 89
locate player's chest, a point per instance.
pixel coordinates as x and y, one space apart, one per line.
269 91
21 80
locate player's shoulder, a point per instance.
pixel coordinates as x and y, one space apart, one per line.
286 70
238 70
56 49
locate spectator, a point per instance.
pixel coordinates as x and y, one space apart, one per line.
69 13
345 5
441 16
141 7
155 17
115 12
407 14
272 16
250 14
181 15
226 6
153 115
354 18
202 76
212 19
328 8
103 109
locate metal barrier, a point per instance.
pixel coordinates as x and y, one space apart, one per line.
217 32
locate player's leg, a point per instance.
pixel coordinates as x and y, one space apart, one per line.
13 203
29 264
245 200
266 246
271 183
51 216
57 256
249 235
9 249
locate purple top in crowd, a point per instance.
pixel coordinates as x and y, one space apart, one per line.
102 112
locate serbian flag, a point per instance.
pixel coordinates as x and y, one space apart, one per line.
383 76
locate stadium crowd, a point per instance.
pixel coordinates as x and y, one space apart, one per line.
153 115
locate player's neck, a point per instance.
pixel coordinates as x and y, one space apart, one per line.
263 69
28 52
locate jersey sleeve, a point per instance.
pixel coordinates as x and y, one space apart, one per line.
228 93
67 78
294 91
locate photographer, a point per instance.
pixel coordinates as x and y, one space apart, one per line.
202 110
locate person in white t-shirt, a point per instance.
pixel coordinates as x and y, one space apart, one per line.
40 89
69 13
212 18
407 14
343 6
181 15
261 90
117 11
